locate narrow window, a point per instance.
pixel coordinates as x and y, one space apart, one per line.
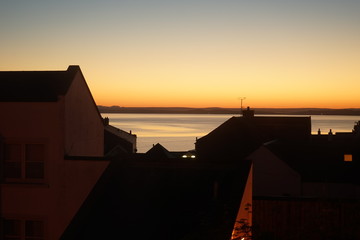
13 161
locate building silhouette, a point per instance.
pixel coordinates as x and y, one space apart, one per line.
67 174
303 186
54 147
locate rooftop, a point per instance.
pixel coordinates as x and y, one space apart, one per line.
35 86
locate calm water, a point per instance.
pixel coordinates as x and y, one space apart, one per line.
178 132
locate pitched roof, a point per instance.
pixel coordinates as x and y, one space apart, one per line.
318 161
35 86
159 152
267 128
239 136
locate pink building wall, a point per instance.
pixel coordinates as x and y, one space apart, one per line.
84 132
70 126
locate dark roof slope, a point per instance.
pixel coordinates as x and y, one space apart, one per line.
266 128
138 200
321 160
35 86
239 136
159 152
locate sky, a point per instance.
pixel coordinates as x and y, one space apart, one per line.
193 53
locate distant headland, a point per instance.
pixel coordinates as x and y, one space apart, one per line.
218 110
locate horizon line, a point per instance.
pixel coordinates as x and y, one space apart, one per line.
98 105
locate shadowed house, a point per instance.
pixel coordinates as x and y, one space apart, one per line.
327 164
117 138
315 194
303 186
158 153
52 150
239 136
162 195
67 174
235 139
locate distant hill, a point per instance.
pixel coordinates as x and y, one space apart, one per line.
216 110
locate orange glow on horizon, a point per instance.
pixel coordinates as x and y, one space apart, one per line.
192 54
209 104
303 99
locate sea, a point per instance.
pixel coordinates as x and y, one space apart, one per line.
178 132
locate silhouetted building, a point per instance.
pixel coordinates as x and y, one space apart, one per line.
162 195
301 182
51 150
116 137
303 186
239 136
67 174
317 188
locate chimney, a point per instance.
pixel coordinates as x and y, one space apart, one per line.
330 136
356 129
248 113
106 121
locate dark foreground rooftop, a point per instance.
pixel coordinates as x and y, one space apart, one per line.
162 200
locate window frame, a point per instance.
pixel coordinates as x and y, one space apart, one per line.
23 161
23 233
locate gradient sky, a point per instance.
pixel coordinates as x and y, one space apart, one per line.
193 53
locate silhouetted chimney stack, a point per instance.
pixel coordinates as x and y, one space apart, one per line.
106 121
356 129
248 113
330 136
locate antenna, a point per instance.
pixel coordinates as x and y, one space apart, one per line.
241 100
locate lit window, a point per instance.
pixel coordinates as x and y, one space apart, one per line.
24 162
23 229
347 157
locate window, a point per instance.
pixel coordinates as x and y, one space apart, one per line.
12 161
347 157
24 162
12 229
15 229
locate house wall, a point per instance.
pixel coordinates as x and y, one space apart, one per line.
114 136
35 123
84 128
330 190
32 123
273 177
70 126
305 218
74 182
